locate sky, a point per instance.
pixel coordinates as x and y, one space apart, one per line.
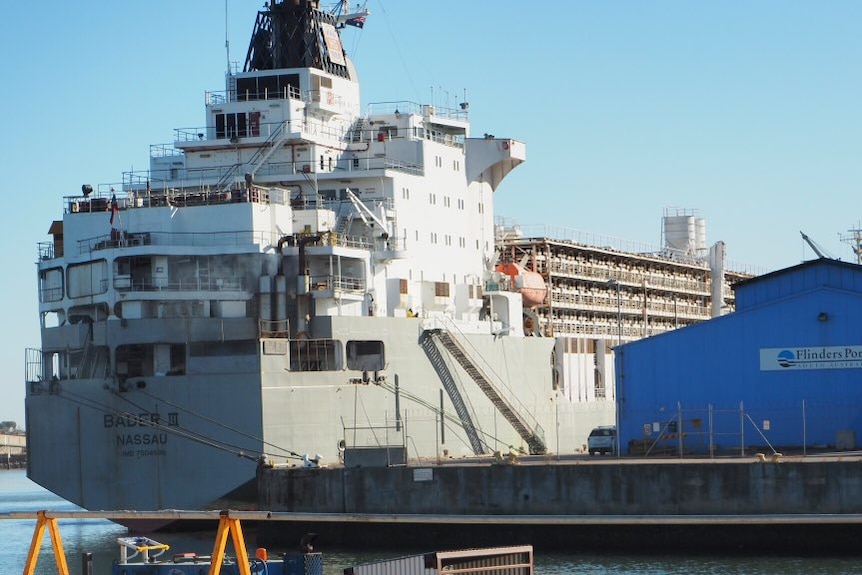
744 113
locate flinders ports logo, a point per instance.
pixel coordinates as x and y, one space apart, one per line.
822 357
786 358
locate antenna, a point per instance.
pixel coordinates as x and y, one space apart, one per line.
854 239
226 39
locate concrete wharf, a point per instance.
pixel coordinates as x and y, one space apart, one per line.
757 504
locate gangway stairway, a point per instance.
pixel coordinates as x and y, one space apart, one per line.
429 344
436 337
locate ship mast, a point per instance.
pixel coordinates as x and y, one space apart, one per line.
854 239
297 34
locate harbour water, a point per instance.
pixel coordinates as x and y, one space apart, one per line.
17 493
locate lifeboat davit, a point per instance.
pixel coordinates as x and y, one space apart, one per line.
531 285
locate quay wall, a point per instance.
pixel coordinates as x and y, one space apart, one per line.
707 488
799 507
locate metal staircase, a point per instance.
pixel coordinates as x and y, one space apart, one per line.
532 435
429 344
260 157
356 131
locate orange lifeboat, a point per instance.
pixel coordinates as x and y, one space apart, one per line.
529 284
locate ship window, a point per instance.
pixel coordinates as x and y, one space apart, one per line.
365 355
88 279
441 289
314 355
246 89
51 285
232 126
267 87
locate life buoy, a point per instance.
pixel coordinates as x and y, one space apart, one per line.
505 145
329 98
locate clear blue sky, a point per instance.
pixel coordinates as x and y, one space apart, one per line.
748 112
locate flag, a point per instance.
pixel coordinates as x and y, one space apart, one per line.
359 21
114 207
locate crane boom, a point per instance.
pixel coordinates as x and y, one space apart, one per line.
814 246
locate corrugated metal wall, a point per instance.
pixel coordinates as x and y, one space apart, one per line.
710 378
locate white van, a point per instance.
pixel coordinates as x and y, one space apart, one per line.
602 440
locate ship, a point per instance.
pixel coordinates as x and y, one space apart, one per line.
307 280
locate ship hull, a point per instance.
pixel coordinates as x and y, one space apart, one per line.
192 441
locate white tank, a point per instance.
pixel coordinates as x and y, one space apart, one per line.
700 244
685 234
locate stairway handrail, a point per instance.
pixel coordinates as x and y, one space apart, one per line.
488 370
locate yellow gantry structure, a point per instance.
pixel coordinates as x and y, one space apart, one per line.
227 526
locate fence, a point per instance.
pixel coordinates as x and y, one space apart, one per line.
801 428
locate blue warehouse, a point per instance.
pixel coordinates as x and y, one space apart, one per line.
781 373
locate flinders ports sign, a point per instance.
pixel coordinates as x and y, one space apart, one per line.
793 358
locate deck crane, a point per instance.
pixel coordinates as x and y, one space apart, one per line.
821 253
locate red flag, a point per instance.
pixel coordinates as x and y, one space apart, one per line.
114 207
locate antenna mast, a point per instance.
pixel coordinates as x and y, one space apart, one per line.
855 240
226 39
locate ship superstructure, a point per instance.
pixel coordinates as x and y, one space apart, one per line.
293 277
297 280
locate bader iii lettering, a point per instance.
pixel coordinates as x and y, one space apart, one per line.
140 420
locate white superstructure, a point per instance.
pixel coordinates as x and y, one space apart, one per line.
298 281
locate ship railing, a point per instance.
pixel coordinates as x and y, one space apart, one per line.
375 443
33 366
425 110
213 284
161 188
599 271
269 328
164 151
261 131
407 167
164 183
49 294
46 250
196 239
337 283
454 140
317 202
218 97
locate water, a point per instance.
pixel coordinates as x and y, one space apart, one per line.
17 493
